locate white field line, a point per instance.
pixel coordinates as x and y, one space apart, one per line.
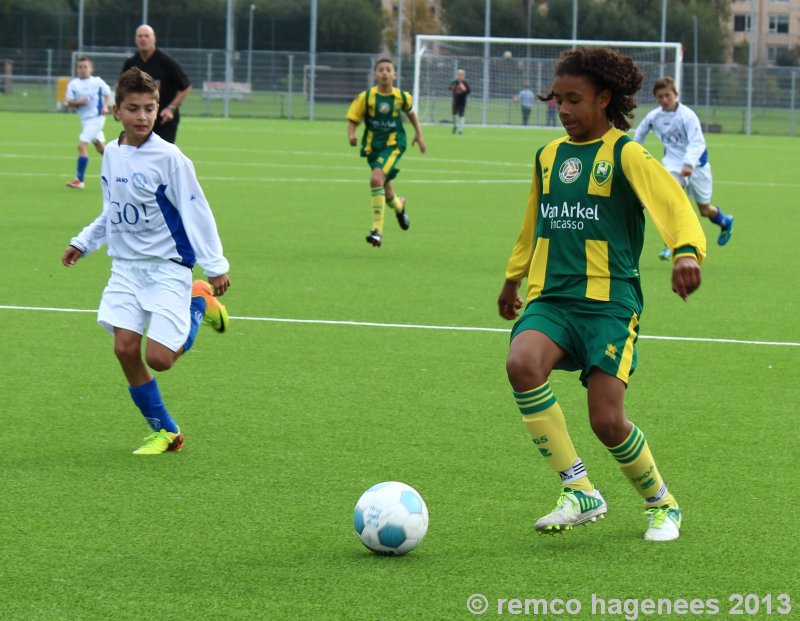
371 324
468 180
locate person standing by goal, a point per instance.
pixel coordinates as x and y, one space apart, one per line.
460 89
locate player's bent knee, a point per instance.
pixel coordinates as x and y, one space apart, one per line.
523 373
160 361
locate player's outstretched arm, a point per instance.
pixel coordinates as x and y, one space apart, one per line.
509 302
71 255
685 276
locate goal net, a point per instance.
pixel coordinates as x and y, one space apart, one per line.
497 69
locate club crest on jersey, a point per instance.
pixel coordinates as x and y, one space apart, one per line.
384 107
140 181
570 170
601 172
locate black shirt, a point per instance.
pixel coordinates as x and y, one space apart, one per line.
168 74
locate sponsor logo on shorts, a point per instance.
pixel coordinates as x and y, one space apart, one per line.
611 351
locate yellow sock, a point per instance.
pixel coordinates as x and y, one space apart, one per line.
395 204
378 204
637 464
548 429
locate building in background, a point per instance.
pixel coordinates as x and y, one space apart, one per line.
777 31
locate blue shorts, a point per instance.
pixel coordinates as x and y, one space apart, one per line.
592 333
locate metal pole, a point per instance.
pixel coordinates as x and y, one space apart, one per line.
487 31
80 26
696 54
144 11
209 78
750 60
399 60
574 20
290 94
663 31
228 57
312 52
250 48
791 103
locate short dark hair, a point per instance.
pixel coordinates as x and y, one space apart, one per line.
384 60
134 80
82 59
665 82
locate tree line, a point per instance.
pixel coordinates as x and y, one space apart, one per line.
359 25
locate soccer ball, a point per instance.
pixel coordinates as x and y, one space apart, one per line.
507 54
391 518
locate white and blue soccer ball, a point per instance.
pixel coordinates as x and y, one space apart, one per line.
391 518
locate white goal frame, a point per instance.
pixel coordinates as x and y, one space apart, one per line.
425 44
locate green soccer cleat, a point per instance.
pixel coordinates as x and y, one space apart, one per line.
216 314
665 523
159 442
573 508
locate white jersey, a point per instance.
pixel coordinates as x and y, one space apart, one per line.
92 88
681 133
153 208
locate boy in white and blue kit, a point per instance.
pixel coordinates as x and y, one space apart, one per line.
91 96
685 153
157 225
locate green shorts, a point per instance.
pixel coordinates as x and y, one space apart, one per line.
592 333
386 159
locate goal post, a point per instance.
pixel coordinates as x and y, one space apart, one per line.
498 68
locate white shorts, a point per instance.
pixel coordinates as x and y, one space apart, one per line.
698 184
93 130
152 295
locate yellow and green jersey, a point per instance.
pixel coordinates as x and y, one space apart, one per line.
383 124
583 229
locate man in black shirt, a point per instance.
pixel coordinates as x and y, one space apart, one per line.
173 85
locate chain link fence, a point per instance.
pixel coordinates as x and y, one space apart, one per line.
727 98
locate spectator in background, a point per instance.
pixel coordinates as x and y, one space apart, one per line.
173 85
525 99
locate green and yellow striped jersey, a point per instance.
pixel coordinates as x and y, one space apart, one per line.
383 124
583 229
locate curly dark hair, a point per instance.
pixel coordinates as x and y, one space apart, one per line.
606 69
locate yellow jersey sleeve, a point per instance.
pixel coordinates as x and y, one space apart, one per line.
665 201
358 108
520 262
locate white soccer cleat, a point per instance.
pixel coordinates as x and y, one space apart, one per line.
665 523
573 508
